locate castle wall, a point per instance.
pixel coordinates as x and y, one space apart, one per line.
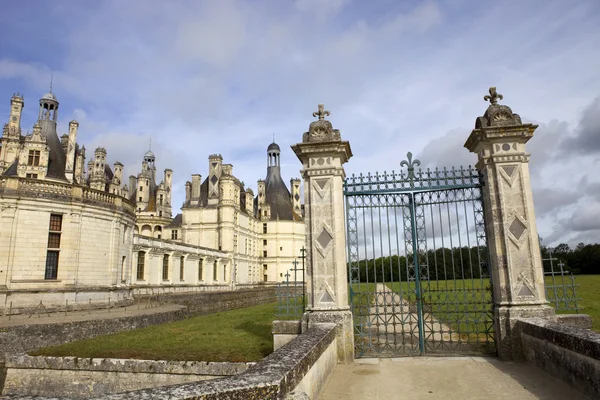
96 242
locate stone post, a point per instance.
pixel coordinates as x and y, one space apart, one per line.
516 266
323 153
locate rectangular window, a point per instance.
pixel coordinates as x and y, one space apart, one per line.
34 158
264 253
181 267
264 228
264 242
55 222
215 277
55 230
160 201
174 234
51 264
165 272
224 272
140 265
31 176
141 188
53 240
200 270
140 198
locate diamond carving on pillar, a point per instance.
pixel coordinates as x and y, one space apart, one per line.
324 239
517 228
297 197
214 179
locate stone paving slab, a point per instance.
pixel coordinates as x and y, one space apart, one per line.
444 378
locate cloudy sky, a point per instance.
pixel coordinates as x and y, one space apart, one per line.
203 77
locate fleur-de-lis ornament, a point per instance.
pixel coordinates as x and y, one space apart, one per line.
410 164
493 97
321 113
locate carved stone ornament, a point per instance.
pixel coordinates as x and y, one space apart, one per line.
497 114
321 130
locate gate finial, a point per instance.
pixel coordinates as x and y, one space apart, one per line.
321 113
410 164
493 97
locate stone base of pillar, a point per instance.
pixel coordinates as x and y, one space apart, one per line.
345 329
508 338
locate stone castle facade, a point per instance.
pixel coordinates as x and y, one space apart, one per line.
71 235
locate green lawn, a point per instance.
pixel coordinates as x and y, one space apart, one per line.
589 292
238 336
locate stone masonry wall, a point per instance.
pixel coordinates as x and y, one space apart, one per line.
16 340
83 377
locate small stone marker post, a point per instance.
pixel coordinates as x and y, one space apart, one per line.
516 266
323 153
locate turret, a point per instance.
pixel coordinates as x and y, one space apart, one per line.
98 179
16 108
9 143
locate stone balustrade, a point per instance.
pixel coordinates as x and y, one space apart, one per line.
59 190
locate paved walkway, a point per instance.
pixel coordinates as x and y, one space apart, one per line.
444 378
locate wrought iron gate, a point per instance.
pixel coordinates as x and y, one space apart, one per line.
418 262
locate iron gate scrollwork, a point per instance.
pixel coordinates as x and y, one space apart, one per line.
418 262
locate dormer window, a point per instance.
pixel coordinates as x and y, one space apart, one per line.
34 158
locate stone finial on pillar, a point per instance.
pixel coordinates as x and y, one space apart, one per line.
499 141
323 153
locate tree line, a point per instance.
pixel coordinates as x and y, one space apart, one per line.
583 259
469 263
439 264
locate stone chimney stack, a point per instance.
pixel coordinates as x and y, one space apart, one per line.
196 182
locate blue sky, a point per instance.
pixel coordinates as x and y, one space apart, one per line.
203 77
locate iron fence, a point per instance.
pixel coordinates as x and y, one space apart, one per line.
561 289
290 295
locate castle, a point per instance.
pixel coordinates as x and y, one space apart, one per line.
72 236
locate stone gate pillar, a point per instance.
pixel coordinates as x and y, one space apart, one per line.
516 266
323 153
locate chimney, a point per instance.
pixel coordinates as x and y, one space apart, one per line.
132 184
188 192
195 199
